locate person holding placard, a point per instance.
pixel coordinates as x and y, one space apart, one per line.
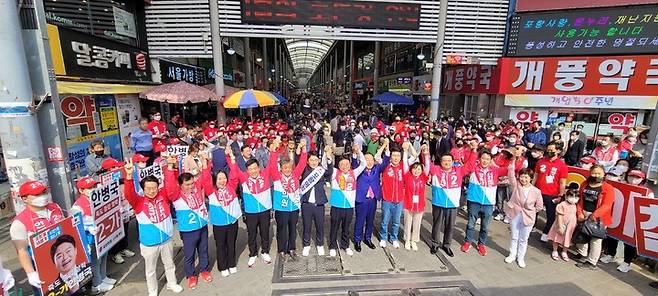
99 281
40 213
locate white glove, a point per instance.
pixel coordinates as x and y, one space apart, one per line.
8 280
34 280
92 230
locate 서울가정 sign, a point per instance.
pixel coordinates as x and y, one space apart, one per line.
335 13
630 30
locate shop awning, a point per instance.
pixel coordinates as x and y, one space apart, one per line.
72 87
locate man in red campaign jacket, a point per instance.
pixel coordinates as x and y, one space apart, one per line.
211 132
393 197
158 128
40 213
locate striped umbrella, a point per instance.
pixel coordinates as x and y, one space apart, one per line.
282 99
250 99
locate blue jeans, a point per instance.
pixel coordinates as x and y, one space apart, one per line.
98 267
390 211
476 210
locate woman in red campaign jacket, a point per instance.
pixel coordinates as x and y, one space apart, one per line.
156 228
415 180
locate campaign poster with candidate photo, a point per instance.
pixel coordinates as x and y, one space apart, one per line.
61 257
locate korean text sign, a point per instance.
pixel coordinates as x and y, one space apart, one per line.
619 30
60 257
106 207
646 228
604 75
470 79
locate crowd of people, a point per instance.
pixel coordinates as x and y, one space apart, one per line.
253 168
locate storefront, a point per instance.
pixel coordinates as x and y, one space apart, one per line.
606 94
98 82
472 90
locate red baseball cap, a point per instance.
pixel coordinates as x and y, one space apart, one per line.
637 173
174 141
86 183
140 158
31 187
111 163
588 160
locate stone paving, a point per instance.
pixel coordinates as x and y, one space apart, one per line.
391 272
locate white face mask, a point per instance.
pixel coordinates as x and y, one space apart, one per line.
141 165
634 180
212 126
157 117
41 200
572 200
535 155
612 178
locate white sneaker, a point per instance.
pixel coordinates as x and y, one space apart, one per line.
506 220
414 246
320 250
118 259
332 253
109 281
407 245
266 257
510 258
521 263
225 273
176 288
478 221
465 208
102 288
127 253
382 243
252 261
306 250
349 252
624 267
544 237
396 244
607 259
233 270
499 217
153 293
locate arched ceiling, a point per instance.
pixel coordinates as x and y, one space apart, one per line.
306 55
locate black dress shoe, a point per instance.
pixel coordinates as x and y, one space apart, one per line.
357 247
282 255
293 255
448 251
433 250
370 244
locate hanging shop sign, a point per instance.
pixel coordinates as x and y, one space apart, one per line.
480 79
534 5
335 13
173 72
619 30
77 54
572 77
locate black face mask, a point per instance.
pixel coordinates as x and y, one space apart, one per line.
551 154
100 153
460 145
595 180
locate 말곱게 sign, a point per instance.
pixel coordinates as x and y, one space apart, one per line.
619 30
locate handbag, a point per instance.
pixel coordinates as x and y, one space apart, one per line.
594 229
579 237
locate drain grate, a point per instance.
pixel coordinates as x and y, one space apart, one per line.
435 288
312 266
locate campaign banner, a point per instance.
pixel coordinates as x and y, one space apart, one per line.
153 170
60 257
623 211
106 210
646 228
177 150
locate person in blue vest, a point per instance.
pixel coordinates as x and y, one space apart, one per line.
368 192
186 193
343 197
314 197
225 210
155 229
287 200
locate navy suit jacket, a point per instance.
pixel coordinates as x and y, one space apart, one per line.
320 194
219 161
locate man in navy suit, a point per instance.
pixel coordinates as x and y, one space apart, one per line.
219 157
244 157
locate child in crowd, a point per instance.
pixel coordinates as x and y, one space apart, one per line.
564 225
